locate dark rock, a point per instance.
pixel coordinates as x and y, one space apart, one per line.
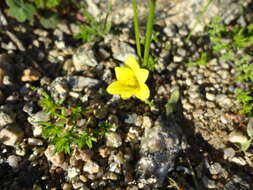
159 148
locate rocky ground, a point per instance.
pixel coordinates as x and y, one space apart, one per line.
145 149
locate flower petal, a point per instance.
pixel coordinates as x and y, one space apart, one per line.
141 75
120 89
132 63
126 96
123 74
114 88
143 93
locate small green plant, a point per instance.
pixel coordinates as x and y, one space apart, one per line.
226 43
63 129
201 61
94 29
146 60
246 100
45 10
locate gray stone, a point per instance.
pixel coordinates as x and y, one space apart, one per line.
160 146
239 161
84 57
13 161
35 142
210 96
59 89
131 118
11 135
147 122
121 50
237 137
39 116
229 153
78 83
224 101
5 119
61 86
73 172
170 31
113 140
91 167
67 186
215 168
181 52
208 183
57 158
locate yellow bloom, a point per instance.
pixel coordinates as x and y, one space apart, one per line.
130 81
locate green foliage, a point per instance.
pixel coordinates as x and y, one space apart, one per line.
226 43
50 21
20 9
24 10
201 61
63 130
46 3
94 29
246 100
216 32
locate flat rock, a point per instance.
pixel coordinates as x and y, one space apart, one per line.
57 158
160 146
5 119
11 135
84 57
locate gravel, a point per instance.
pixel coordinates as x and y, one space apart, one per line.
145 148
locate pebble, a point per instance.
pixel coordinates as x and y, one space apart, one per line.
177 59
238 160
210 96
121 50
5 119
224 101
83 178
35 142
229 153
170 31
11 135
57 158
78 83
67 186
208 183
113 140
110 176
215 168
39 116
84 57
104 152
147 122
13 161
237 137
91 167
131 118
194 95
72 172
30 75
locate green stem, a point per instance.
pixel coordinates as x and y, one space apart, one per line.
136 29
149 31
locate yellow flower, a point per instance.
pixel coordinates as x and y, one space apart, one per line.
130 81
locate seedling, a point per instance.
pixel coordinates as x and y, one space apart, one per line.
93 29
63 129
